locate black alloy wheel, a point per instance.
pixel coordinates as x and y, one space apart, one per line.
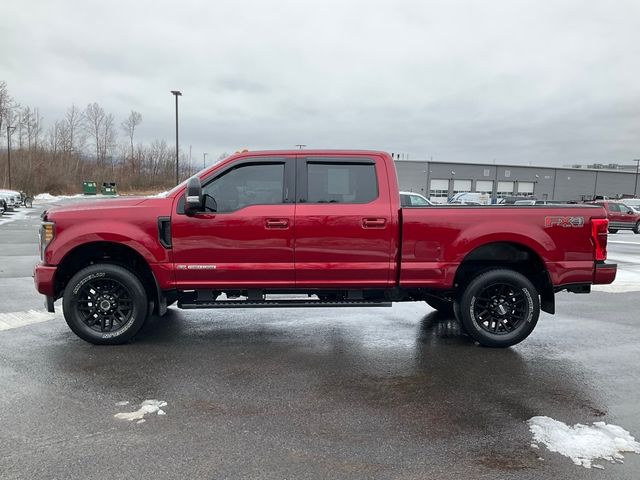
636 228
105 304
499 308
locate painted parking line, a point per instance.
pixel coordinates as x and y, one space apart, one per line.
22 319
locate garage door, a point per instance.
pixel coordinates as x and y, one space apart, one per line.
525 188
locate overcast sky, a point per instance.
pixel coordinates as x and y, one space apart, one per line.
546 82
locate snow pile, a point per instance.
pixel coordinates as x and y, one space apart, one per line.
45 197
146 407
583 443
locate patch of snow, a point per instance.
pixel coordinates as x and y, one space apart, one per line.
20 319
583 443
161 412
45 196
146 407
141 421
123 403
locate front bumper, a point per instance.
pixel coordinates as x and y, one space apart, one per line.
605 273
43 277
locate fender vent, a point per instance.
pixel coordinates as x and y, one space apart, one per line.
164 231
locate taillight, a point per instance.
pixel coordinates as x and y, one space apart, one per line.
599 230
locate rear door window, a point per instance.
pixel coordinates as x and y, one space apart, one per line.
341 182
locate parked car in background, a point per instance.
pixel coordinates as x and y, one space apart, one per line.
538 202
621 216
632 202
470 198
11 197
412 199
3 206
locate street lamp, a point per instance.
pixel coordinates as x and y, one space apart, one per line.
204 160
177 94
9 130
635 190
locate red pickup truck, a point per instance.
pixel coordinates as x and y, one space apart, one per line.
260 227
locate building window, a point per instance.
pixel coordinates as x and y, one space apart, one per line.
486 172
507 173
505 189
525 188
484 186
461 186
439 190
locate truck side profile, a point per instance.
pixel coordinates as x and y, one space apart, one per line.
260 227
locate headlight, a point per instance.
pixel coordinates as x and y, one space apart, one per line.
46 234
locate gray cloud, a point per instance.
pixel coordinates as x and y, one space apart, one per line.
518 81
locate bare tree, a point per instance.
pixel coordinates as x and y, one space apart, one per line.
129 126
5 106
95 117
73 122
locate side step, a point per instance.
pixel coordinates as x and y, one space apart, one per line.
283 304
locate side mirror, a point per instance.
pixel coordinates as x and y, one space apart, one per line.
193 196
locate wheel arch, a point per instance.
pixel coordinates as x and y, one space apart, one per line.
511 255
107 252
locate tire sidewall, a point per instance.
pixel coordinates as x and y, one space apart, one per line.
472 325
122 275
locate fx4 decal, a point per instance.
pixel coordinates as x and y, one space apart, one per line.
564 222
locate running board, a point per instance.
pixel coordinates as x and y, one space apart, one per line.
283 304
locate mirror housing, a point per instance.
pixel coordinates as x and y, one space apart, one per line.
193 196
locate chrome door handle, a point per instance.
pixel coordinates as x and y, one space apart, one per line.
276 223
374 222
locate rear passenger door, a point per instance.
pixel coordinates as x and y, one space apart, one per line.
343 228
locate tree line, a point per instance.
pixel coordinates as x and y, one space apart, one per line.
85 144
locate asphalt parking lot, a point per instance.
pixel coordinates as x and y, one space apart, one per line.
336 393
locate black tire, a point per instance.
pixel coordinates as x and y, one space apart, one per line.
613 230
636 229
442 306
105 304
499 308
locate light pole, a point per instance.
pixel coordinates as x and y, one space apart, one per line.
177 94
635 189
9 130
204 160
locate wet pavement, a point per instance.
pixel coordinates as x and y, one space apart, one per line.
316 393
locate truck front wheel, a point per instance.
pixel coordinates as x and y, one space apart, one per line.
499 308
105 304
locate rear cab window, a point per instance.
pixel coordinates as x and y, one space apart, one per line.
341 182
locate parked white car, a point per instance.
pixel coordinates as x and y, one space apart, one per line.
11 197
413 199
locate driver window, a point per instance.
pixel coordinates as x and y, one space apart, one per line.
252 184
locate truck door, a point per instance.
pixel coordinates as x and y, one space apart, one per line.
344 231
248 241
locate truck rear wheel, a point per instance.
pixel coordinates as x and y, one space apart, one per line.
105 304
499 308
